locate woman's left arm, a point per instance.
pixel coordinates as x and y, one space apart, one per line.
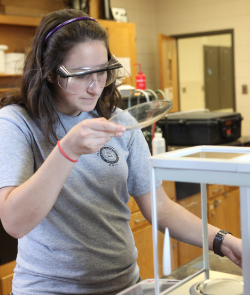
185 226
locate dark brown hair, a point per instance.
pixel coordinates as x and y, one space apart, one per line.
35 93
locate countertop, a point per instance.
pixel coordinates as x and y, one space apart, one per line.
242 141
216 263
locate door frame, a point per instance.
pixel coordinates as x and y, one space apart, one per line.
203 34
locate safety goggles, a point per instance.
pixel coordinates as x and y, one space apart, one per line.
79 80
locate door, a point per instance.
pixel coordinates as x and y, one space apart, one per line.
218 77
226 77
211 75
168 68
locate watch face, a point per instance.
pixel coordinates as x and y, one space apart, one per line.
223 232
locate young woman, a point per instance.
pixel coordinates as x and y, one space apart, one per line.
66 172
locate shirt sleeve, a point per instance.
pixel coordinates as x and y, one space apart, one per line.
139 165
16 156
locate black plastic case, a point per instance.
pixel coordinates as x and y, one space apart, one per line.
203 128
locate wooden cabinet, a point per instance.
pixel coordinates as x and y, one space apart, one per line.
122 41
6 276
142 232
17 31
188 252
224 210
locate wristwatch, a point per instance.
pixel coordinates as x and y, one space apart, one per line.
218 240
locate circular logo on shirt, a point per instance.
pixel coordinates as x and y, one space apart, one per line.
109 154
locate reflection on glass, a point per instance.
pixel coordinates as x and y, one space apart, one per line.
147 287
221 287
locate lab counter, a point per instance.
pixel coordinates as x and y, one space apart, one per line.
242 141
216 263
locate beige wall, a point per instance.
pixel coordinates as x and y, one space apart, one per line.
171 17
142 13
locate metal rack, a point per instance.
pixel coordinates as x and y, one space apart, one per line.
145 94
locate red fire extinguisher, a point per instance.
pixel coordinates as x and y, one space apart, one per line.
140 79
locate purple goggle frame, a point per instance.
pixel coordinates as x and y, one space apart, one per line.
64 24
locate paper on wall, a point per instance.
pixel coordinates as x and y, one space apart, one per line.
125 61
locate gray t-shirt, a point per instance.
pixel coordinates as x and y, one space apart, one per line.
84 245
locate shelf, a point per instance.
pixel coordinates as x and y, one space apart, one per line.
20 20
5 89
10 75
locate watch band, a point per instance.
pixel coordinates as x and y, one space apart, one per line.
218 241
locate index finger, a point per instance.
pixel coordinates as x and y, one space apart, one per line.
102 124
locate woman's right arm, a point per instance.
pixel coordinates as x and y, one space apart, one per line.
22 208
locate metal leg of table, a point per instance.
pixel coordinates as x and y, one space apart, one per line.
205 229
154 227
245 235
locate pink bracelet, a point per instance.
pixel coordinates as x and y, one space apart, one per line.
61 150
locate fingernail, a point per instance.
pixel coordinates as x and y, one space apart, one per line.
123 129
119 133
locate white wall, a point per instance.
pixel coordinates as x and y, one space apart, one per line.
142 13
172 17
190 59
190 16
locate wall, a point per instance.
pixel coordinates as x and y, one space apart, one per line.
171 17
183 17
142 13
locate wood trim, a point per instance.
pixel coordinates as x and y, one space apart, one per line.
9 75
168 67
201 34
20 20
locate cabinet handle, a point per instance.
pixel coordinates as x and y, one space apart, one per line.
217 202
216 190
175 245
139 220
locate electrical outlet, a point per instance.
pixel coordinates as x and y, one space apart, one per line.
244 89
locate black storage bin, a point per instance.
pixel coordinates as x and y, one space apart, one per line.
8 247
203 128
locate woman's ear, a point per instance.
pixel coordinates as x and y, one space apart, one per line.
50 78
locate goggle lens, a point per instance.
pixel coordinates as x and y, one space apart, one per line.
79 81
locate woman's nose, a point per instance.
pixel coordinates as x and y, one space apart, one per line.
94 87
